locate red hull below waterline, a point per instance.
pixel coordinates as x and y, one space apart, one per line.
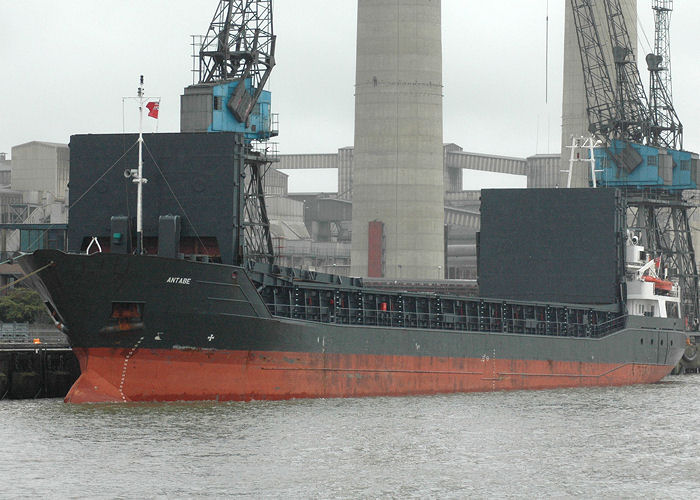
121 375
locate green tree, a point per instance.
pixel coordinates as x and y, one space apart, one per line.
21 305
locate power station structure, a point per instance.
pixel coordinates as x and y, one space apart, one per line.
404 184
541 170
398 186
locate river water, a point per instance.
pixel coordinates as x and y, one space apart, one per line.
599 442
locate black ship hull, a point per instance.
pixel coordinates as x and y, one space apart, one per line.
155 329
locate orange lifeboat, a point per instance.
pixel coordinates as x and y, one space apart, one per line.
659 284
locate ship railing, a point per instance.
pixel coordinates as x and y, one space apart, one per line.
265 151
437 321
611 326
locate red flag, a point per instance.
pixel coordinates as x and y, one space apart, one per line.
153 109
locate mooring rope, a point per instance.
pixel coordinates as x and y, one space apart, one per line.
50 264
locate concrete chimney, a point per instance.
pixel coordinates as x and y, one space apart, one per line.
398 186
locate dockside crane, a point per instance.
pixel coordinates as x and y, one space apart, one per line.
235 60
240 47
668 129
640 142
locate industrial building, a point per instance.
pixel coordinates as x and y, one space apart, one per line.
5 171
9 198
328 216
41 166
34 194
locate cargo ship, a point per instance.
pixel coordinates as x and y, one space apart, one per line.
571 300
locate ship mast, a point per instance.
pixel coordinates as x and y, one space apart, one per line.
138 179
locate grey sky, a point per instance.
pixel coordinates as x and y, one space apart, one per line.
66 66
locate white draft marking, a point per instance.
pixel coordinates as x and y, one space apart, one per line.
126 363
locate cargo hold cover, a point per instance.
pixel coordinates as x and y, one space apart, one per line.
554 245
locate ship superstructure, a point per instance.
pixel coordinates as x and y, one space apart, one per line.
649 290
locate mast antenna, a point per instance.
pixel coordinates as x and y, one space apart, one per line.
138 179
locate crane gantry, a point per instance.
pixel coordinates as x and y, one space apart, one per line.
235 60
640 139
668 129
